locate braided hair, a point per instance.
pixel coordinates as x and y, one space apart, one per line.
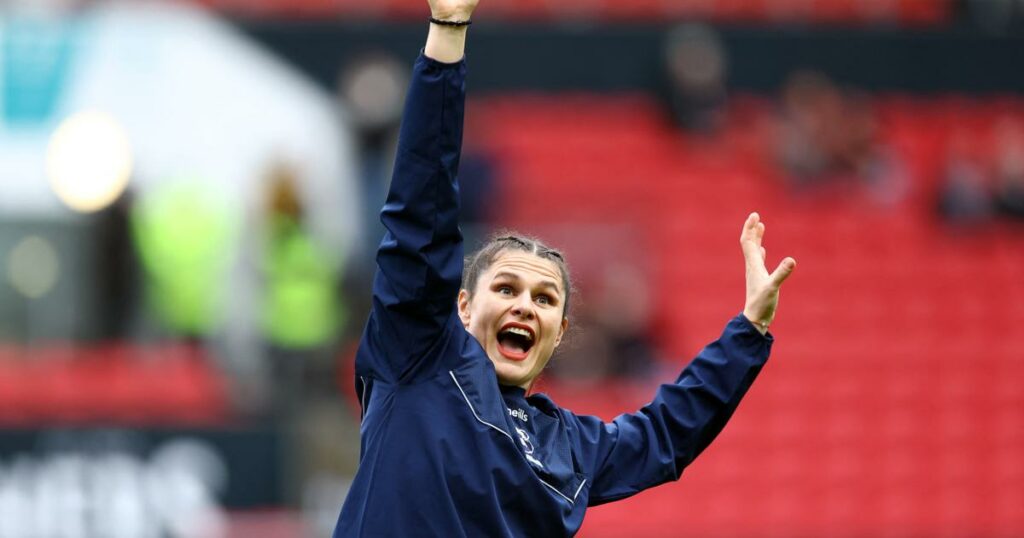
479 261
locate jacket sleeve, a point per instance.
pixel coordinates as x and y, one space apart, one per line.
644 449
419 261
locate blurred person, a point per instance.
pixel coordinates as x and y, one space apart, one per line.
829 136
478 170
452 445
186 237
811 122
119 282
993 15
586 361
624 311
872 162
964 197
695 70
615 329
371 88
1009 181
302 310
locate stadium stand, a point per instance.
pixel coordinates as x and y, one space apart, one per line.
115 384
894 382
847 12
896 362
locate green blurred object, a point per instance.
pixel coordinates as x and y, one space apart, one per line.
186 236
301 309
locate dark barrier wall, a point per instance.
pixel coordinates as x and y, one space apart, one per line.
628 57
237 468
134 483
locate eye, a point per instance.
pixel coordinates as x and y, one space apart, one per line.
544 299
505 290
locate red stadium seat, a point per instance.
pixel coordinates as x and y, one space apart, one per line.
895 339
846 12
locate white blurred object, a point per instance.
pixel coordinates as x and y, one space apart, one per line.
115 494
186 477
33 267
89 161
374 88
195 97
41 7
322 494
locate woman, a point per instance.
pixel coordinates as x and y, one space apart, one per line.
451 444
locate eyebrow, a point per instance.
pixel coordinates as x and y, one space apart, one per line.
513 276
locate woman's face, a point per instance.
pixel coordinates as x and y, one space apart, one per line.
516 314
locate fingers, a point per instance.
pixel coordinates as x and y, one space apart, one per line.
750 237
783 271
751 224
753 228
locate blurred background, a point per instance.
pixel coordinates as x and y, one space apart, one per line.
188 198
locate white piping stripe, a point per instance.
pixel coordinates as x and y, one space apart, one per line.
482 421
574 495
363 379
556 491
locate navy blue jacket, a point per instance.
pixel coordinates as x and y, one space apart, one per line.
446 450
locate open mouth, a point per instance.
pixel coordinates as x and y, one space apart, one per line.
515 341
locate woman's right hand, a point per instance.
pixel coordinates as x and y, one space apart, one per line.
452 10
447 44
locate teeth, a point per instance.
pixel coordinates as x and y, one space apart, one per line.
520 332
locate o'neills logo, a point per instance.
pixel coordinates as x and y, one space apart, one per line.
519 413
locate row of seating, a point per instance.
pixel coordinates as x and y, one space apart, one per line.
915 12
891 404
116 384
742 164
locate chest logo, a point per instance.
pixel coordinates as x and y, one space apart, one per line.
518 413
524 439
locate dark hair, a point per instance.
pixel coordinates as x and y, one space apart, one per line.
479 261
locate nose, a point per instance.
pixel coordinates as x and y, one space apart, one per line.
523 307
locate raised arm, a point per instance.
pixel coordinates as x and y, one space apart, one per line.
419 260
641 450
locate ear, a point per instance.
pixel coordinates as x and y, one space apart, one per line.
464 307
561 331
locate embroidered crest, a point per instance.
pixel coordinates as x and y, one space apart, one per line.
524 440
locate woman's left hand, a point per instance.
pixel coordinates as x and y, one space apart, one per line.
762 288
